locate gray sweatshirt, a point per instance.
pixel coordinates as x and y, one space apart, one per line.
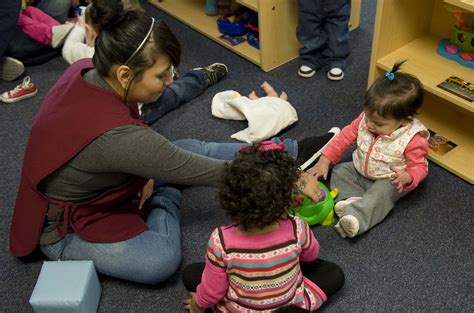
110 159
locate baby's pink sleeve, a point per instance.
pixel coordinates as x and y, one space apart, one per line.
213 287
309 244
214 282
343 140
416 153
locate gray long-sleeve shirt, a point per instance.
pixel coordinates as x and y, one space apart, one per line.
109 160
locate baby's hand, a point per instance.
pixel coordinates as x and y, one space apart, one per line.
400 179
145 193
321 168
190 304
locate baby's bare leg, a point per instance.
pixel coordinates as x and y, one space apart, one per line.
253 95
272 93
269 89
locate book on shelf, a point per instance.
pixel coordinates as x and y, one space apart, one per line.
459 87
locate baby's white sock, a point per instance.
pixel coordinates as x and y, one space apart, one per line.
341 205
349 224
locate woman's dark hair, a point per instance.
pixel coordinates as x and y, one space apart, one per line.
394 95
257 187
121 31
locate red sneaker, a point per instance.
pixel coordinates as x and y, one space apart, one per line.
23 91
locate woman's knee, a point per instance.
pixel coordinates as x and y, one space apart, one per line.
160 269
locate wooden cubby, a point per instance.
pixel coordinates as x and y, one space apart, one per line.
410 30
277 27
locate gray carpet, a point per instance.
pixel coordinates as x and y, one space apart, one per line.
418 259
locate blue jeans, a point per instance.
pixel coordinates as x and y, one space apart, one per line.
324 33
155 254
227 151
183 90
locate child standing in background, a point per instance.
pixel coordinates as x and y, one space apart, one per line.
254 264
323 31
390 159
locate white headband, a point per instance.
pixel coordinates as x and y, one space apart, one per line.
143 42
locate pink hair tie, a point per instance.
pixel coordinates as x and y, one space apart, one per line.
264 146
270 145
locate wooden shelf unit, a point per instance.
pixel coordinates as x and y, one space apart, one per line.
277 27
410 30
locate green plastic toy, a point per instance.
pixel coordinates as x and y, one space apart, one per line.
317 213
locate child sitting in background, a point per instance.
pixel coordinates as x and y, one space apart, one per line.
42 27
390 159
254 264
79 43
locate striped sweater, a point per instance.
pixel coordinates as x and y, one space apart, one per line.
246 273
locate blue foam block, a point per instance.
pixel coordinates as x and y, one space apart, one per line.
66 287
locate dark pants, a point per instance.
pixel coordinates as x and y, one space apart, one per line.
328 276
29 51
9 10
324 33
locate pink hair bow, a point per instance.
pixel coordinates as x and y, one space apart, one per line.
270 145
265 146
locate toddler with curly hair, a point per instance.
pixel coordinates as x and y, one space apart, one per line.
266 259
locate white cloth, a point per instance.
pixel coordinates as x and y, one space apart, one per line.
267 116
75 47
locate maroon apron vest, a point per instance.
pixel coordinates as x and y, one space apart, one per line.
72 115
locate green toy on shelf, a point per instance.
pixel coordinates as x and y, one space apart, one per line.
316 213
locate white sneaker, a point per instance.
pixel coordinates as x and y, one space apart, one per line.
60 33
10 68
349 224
335 74
340 206
306 71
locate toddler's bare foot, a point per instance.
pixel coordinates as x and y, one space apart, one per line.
284 96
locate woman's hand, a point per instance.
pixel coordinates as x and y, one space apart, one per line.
321 168
145 193
190 304
400 179
308 185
